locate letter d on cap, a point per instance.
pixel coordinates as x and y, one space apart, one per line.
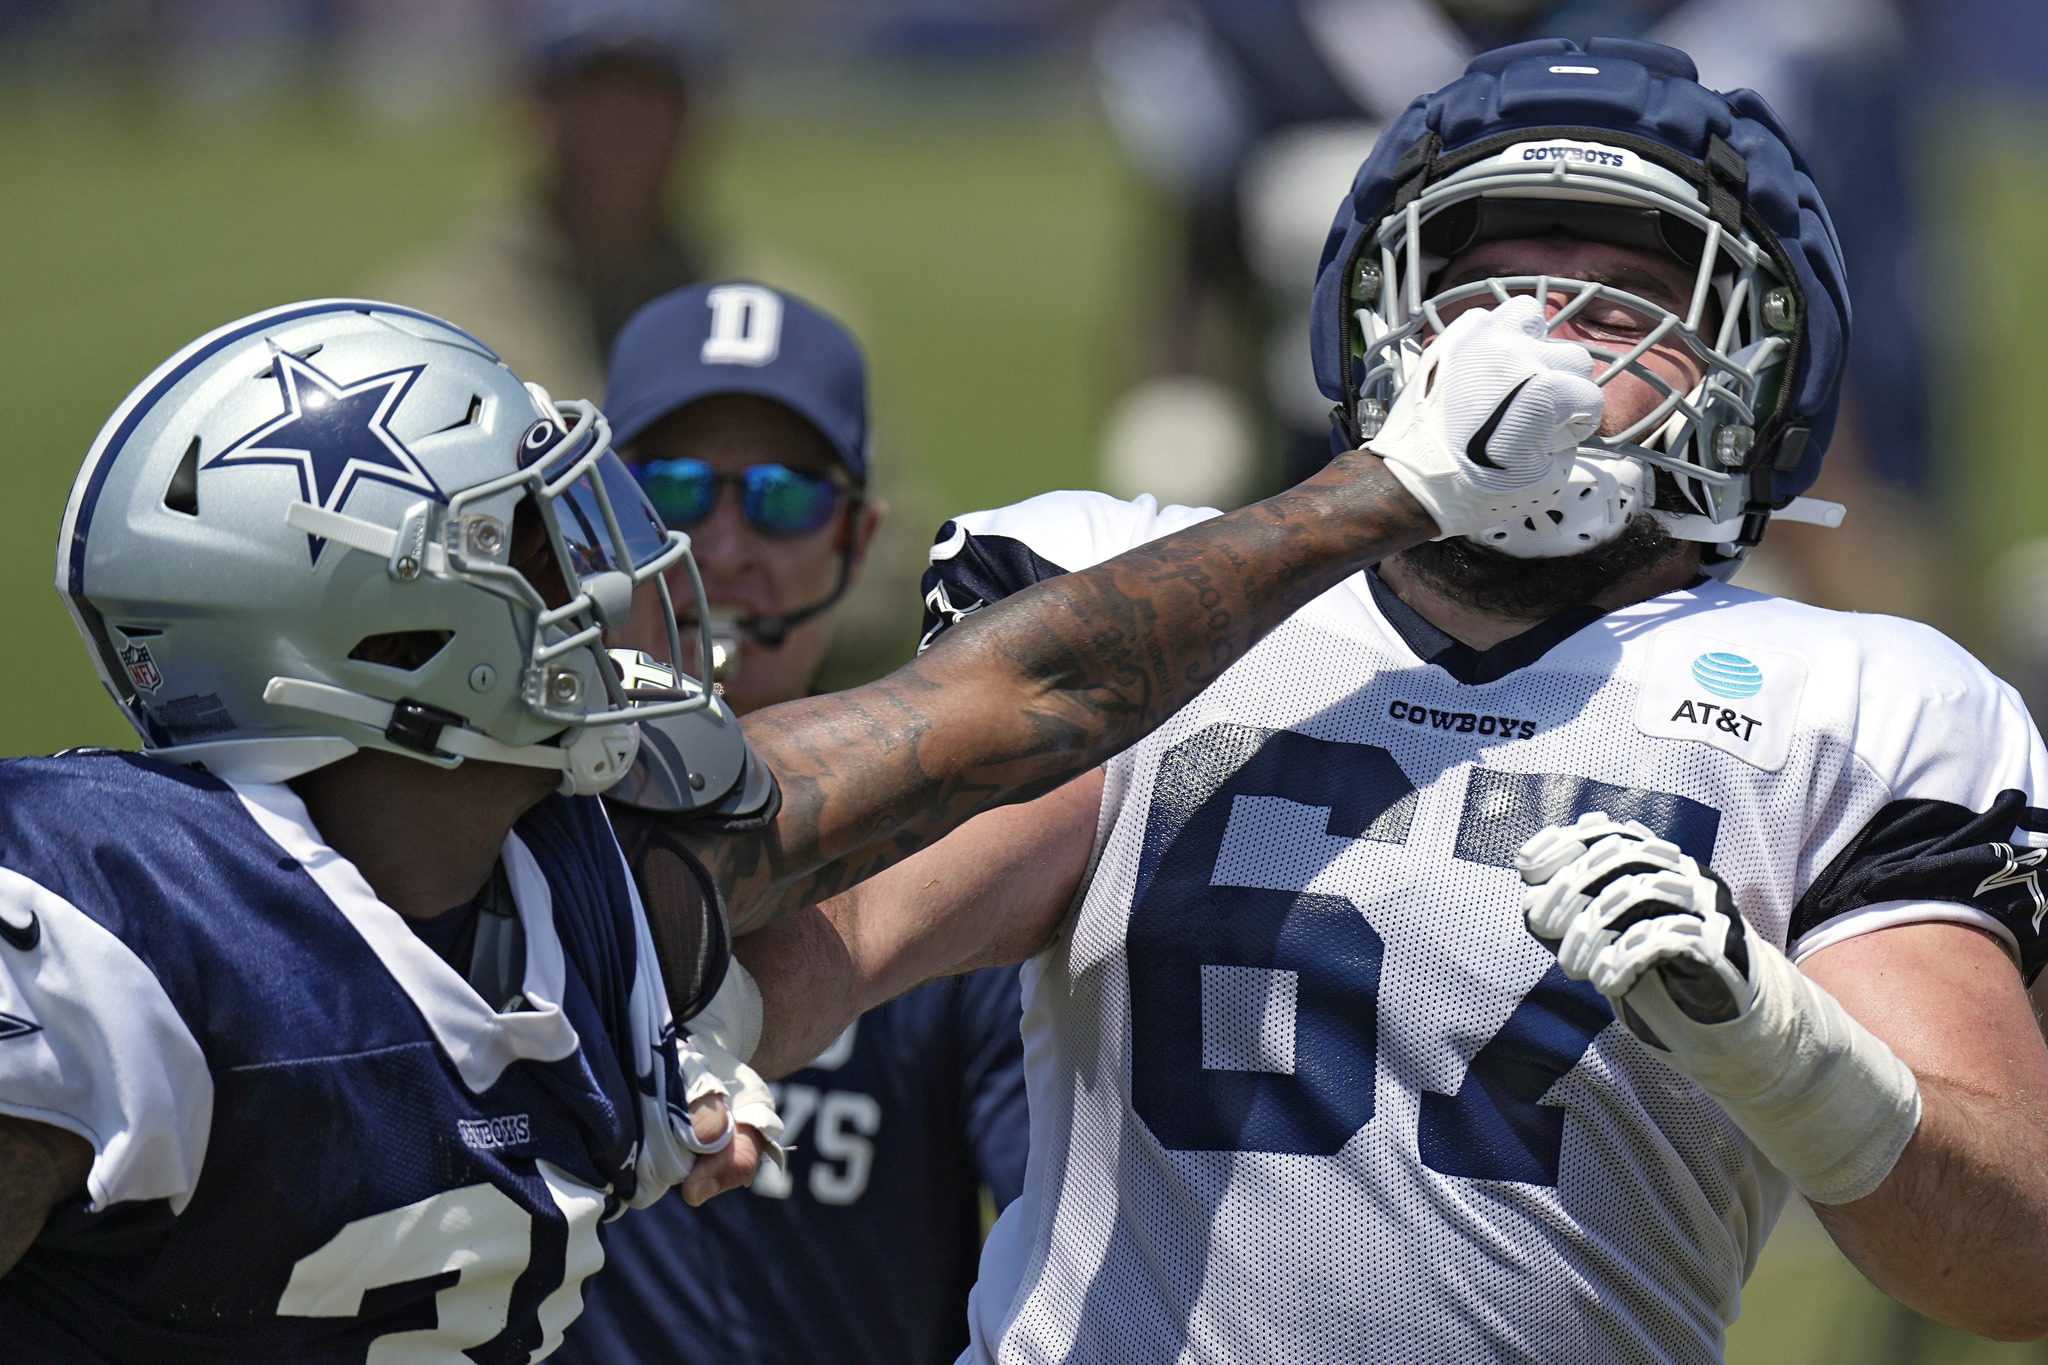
746 325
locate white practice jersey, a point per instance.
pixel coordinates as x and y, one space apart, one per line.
1303 1088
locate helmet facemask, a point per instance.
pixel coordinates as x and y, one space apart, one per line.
605 541
1689 458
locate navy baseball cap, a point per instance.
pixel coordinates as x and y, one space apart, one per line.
739 337
683 39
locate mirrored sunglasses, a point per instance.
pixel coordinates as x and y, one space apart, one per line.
774 499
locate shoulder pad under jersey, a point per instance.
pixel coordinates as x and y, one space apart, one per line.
697 763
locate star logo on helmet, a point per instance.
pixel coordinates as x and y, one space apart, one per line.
335 435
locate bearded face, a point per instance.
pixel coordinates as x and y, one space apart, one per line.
1481 578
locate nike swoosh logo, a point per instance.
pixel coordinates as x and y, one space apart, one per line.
22 936
1475 449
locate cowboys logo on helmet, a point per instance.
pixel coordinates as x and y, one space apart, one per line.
343 524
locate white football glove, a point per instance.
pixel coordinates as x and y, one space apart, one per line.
722 1038
1633 901
1659 936
1486 429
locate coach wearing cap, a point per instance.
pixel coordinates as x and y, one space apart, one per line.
743 413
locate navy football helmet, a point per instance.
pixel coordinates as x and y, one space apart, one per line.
1617 142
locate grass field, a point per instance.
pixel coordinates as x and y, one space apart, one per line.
984 258
1990 296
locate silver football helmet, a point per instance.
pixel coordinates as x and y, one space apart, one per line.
325 527
1737 324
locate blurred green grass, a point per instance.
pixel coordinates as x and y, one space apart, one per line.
1989 298
1806 1305
981 253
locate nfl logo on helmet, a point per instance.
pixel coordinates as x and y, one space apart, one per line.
141 668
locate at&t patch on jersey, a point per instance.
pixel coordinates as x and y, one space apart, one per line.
1741 699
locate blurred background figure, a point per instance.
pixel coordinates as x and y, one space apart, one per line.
1249 118
619 100
227 53
743 412
974 31
613 92
402 61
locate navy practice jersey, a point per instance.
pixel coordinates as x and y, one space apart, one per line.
1303 1087
864 1251
313 1141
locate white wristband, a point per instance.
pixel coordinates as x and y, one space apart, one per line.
1820 1095
732 1017
723 1036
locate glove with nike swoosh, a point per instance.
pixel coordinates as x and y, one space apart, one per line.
1660 937
1486 428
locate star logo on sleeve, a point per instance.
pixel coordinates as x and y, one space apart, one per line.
334 435
938 605
2022 870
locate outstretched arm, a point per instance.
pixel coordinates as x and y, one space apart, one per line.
1959 1229
1043 686
993 892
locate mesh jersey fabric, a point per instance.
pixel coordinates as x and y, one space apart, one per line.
315 1142
1301 1085
863 1253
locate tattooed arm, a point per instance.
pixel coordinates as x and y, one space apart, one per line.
40 1167
1043 686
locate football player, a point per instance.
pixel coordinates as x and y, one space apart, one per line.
1426 988
333 1021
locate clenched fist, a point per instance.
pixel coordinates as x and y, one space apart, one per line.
1485 430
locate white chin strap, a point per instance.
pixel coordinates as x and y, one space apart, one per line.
1602 494
591 760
